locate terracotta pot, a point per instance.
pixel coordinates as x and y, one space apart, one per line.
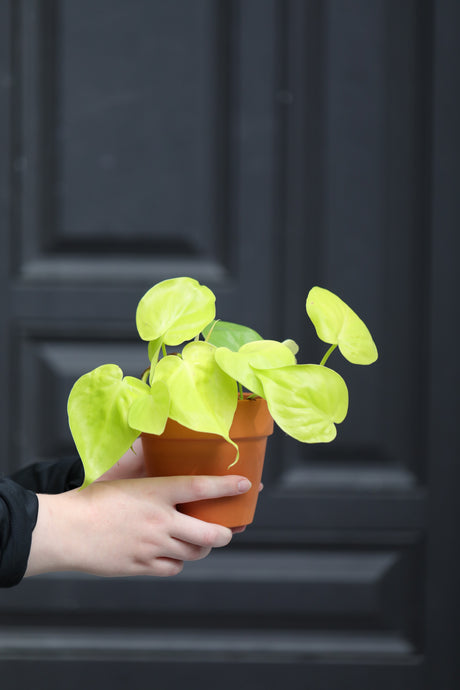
181 451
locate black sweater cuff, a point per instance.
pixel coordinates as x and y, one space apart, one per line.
19 510
51 477
18 515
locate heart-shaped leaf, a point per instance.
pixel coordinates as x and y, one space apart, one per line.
337 324
203 397
149 413
261 354
174 311
227 334
98 408
306 400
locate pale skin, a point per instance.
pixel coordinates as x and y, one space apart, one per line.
127 524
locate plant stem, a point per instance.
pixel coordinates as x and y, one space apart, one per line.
327 355
145 375
214 323
240 391
163 349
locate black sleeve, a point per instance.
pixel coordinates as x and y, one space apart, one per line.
18 515
51 477
19 510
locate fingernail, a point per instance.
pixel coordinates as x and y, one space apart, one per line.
244 485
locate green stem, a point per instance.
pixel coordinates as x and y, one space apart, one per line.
163 349
145 375
327 355
240 391
211 329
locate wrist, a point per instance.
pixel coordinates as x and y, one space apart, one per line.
55 536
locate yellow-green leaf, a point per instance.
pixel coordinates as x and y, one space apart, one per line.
149 413
203 397
306 400
260 354
98 409
174 311
337 324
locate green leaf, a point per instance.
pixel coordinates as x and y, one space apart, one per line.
98 408
292 345
306 400
149 413
203 397
227 334
174 311
337 324
261 354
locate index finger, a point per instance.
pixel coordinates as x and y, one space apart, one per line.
189 488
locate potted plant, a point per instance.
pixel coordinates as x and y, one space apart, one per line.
215 398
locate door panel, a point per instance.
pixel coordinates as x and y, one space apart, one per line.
261 147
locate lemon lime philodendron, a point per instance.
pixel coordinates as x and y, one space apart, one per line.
200 386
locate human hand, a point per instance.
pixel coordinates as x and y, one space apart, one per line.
128 526
131 466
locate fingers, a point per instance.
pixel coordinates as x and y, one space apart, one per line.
238 530
176 552
167 567
185 551
196 532
199 533
187 489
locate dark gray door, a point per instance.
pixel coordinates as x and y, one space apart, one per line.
261 147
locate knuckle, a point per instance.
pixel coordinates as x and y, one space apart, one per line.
208 538
200 487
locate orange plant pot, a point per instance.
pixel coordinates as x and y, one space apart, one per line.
180 451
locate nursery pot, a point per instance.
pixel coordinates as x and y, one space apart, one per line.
182 451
